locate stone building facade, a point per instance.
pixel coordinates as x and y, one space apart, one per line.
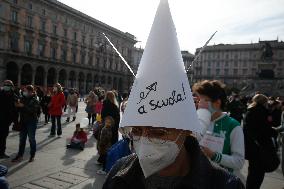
241 64
44 41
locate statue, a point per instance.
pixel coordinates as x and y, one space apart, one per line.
266 52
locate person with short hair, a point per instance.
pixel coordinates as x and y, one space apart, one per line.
55 106
223 127
7 113
29 106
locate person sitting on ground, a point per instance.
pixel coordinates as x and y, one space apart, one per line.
3 181
79 138
105 143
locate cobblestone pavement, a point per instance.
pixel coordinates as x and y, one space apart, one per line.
55 167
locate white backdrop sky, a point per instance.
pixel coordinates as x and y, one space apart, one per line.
237 21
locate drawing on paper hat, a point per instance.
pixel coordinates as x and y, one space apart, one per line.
161 95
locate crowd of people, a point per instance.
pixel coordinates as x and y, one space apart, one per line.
246 126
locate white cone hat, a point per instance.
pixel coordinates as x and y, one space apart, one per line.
161 95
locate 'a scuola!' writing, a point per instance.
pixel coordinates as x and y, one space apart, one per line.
174 98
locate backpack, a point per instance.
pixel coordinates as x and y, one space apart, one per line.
117 151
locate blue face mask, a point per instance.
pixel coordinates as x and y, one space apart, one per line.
211 108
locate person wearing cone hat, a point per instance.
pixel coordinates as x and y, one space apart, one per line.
162 120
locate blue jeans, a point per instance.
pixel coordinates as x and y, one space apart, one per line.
28 129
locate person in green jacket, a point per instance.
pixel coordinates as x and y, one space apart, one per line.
223 128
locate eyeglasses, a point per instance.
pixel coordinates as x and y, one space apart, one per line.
158 136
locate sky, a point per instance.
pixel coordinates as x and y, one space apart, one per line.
237 21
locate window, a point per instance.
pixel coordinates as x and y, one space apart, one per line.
236 56
43 12
218 64
226 64
14 42
54 29
42 25
217 71
64 55
15 1
226 71
98 61
83 55
245 64
235 71
14 16
208 71
74 56
29 21
280 63
245 71
209 64
53 53
75 36
91 42
30 6
236 63
28 47
83 39
41 48
105 63
91 60
65 32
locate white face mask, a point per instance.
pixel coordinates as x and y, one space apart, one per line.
25 94
155 156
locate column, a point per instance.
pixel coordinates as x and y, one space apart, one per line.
56 77
67 80
20 77
45 79
33 77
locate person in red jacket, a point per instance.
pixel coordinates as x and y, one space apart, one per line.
55 109
79 138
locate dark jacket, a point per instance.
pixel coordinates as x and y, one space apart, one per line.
30 110
7 108
44 103
127 173
3 182
256 128
110 109
236 109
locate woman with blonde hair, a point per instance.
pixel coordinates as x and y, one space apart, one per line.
258 134
110 108
55 109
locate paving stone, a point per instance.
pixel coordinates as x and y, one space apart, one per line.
80 172
32 186
51 183
67 177
20 187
